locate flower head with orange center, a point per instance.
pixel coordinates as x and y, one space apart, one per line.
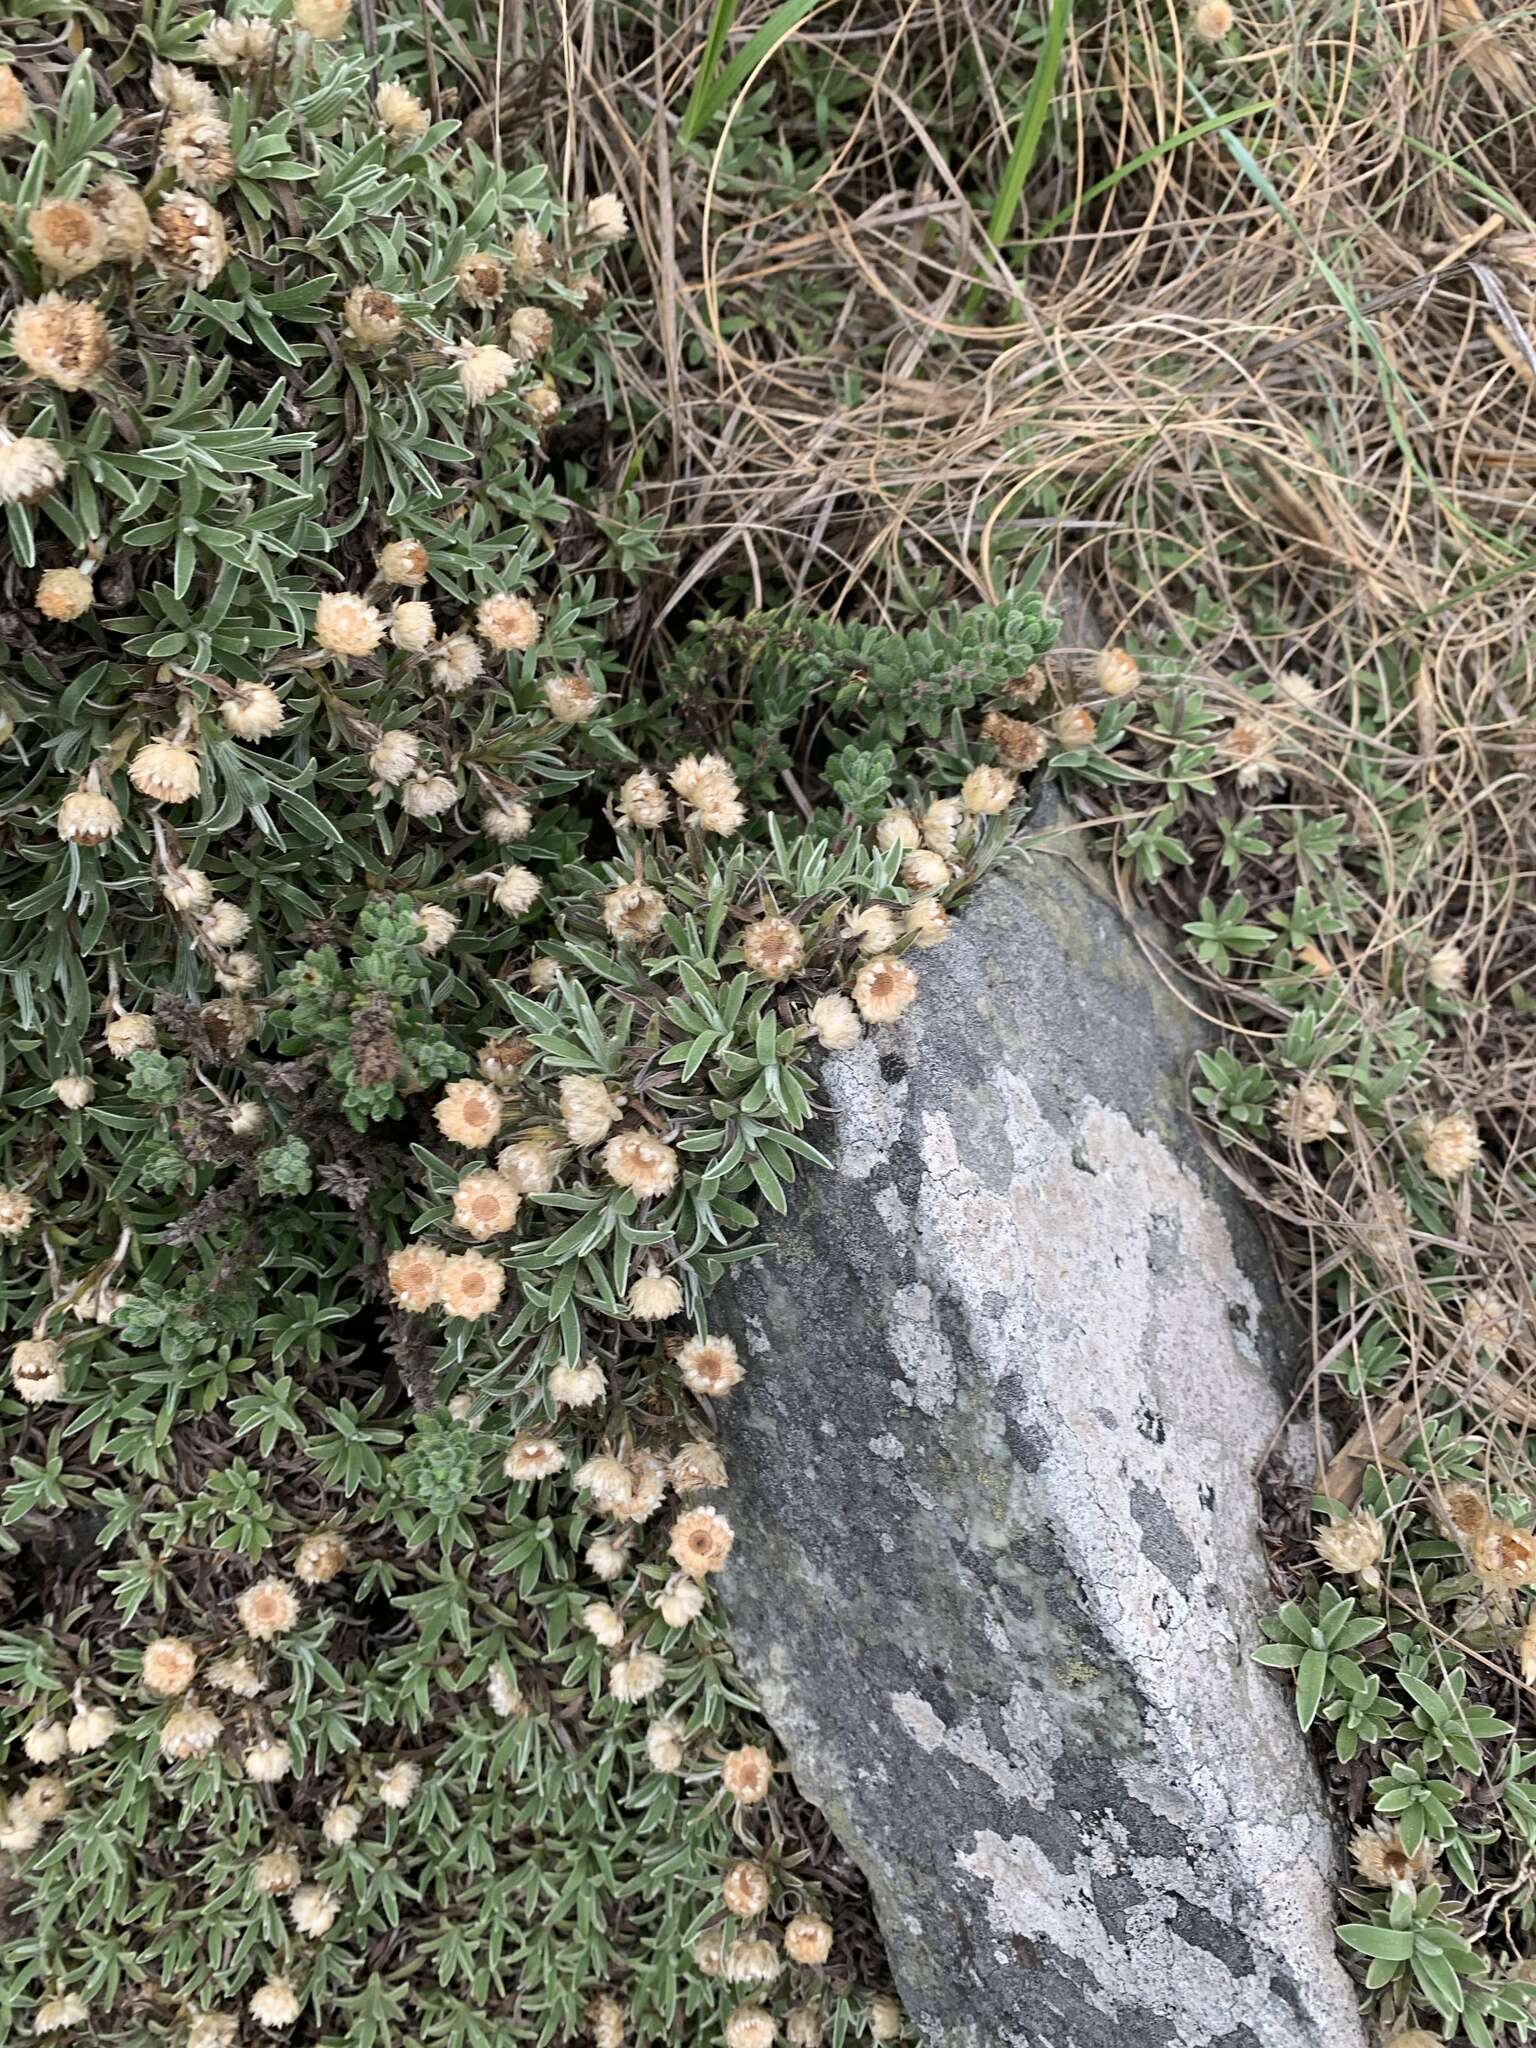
472 1285
416 1276
468 1113
701 1541
267 1609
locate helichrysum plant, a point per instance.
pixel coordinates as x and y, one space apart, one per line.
408 1020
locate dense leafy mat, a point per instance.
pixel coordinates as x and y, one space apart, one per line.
412 1005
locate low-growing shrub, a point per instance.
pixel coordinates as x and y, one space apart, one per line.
409 1015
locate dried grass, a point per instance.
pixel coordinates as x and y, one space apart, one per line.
1298 397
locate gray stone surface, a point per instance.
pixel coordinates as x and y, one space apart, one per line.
1013 1365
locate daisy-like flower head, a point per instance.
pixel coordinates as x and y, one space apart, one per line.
416 1276
472 1284
508 623
29 469
884 989
401 115
709 1366
642 1163
267 1609
701 1541
533 1458
773 948
485 1204
468 1113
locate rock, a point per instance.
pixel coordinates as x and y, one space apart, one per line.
996 1577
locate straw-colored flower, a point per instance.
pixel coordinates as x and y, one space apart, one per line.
643 801
254 712
747 1772
873 928
67 237
195 148
508 623
664 1746
1354 1546
987 791
29 468
274 2005
372 318
191 1731
773 948
884 989
710 1366
1115 672
532 1458
325 20
64 594
189 239
238 43
701 1541
1211 20
1312 1113
468 1113
37 1364
401 115
483 372
472 1285
428 796
399 1785
416 1276
1504 1555
266 1761
587 1109
1380 1857
165 771
808 1940
15 106
654 1296
577 1386
926 923
405 562
572 699
485 1204
604 219
64 341
321 1557
314 1908
633 912
642 1163
347 625
1452 1146
412 627
130 1032
481 280
168 1667
267 1609
394 756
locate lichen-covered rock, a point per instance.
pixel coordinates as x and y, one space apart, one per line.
996 1580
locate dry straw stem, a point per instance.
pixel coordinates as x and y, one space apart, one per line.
1278 373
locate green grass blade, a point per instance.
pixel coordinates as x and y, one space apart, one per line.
1166 147
758 48
714 43
1026 141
